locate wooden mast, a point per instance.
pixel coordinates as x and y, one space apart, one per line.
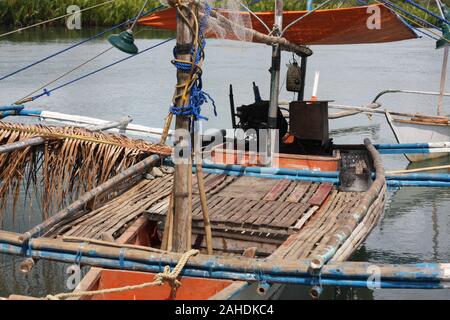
183 171
444 66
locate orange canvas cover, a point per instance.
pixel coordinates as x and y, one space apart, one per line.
333 26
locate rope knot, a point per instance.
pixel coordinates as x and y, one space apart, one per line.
171 277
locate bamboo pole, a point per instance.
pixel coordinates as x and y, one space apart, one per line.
226 267
205 211
444 65
121 123
166 243
402 114
343 114
419 169
20 145
443 79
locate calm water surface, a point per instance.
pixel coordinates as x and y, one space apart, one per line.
416 224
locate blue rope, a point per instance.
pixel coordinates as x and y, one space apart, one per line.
47 92
76 44
427 11
411 14
423 32
253 2
197 96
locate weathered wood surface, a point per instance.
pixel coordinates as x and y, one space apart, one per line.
286 219
275 211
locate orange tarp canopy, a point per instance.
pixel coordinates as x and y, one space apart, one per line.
333 26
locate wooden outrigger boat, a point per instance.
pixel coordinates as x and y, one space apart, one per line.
230 227
278 219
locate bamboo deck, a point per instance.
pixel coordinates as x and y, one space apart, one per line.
282 218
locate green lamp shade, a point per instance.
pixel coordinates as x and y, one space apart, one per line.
124 42
444 40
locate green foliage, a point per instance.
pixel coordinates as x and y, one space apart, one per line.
25 12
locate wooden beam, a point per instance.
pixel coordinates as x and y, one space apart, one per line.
20 145
183 171
88 196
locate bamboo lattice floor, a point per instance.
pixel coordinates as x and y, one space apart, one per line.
265 210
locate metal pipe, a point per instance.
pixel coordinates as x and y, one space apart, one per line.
232 109
303 64
274 85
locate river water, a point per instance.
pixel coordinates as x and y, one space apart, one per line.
416 224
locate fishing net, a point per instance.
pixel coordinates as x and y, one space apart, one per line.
231 21
228 19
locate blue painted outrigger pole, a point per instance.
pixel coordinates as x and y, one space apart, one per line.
355 274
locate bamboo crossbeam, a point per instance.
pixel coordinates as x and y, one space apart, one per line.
19 145
88 196
402 114
445 167
84 121
348 113
431 275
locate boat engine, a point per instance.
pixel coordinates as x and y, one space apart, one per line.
255 115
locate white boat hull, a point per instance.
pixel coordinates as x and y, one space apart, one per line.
422 133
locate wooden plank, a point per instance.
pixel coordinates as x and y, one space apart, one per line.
248 188
299 191
305 218
267 212
288 191
250 212
275 211
214 181
277 190
310 192
321 194
293 214
238 217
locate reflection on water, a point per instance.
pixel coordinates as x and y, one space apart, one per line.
61 34
416 224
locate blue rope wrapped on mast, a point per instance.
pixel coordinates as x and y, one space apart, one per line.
197 96
77 44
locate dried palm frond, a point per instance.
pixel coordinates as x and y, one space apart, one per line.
71 161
